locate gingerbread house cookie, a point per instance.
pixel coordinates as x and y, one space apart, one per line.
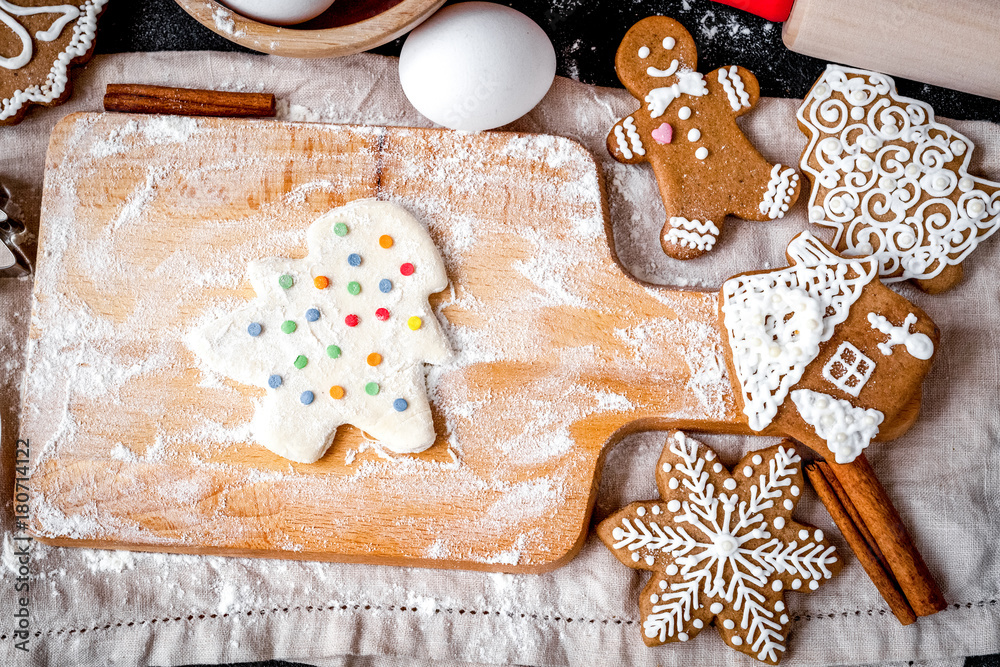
705 166
722 546
39 44
892 181
822 351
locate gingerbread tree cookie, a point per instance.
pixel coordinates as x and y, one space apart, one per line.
340 336
40 41
723 548
705 166
892 181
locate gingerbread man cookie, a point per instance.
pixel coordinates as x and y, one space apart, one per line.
892 181
723 547
340 336
40 41
705 166
822 351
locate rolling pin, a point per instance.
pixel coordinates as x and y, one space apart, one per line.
949 44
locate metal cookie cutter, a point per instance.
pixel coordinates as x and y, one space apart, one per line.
13 261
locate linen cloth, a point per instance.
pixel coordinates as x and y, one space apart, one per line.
119 608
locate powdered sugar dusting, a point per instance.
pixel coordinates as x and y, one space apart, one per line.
535 294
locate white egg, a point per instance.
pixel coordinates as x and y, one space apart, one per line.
279 12
476 66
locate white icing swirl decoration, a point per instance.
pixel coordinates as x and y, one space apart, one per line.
721 547
890 179
846 429
779 191
692 233
736 91
776 321
688 83
79 45
919 345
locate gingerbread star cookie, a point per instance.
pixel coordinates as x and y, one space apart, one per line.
39 42
686 129
893 181
723 547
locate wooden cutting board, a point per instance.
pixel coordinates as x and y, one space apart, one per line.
147 226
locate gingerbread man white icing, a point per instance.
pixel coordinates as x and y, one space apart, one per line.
686 129
892 181
340 336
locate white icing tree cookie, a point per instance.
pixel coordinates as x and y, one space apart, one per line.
822 333
892 181
340 336
723 548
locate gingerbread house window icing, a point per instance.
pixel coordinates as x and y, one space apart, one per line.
848 369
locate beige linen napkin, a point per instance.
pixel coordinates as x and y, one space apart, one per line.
119 608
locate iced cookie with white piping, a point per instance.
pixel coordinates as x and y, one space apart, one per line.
39 44
722 547
686 129
823 352
892 180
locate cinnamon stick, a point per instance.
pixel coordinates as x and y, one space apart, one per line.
876 570
138 98
852 511
877 512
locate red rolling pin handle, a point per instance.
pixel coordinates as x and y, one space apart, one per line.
772 10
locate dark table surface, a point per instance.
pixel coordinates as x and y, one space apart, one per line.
586 34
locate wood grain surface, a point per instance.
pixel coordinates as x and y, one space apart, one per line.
147 226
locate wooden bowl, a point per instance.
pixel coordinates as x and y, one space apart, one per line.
349 26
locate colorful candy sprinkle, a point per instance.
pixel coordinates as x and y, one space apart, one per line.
414 323
354 259
274 381
321 282
288 326
300 361
286 281
406 269
382 314
312 315
374 359
336 392
351 320
354 287
254 329
372 388
400 404
340 229
307 397
385 286
385 241
332 351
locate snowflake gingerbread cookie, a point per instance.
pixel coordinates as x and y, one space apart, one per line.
821 351
705 166
340 336
892 181
723 547
40 42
